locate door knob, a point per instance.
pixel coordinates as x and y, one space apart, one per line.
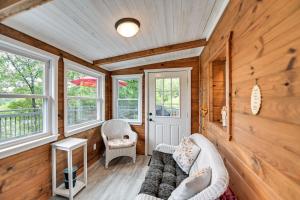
150 113
150 120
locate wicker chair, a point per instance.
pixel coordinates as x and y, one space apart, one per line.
119 140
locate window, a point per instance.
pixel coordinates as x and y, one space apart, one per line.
27 96
127 101
84 89
167 97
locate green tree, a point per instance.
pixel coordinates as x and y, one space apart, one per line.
130 91
20 75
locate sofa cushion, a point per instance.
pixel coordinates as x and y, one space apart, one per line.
120 143
163 176
186 154
192 185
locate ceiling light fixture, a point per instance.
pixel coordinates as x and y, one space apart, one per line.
127 27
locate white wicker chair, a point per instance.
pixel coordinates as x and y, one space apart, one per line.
116 130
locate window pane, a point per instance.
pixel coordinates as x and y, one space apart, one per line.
20 117
81 110
128 109
21 75
79 84
128 88
128 98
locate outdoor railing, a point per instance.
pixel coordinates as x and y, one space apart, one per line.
24 122
20 122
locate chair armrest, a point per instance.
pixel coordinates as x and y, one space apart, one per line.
104 139
166 148
133 136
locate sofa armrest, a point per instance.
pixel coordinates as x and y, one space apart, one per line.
166 148
146 197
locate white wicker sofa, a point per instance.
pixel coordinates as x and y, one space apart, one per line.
208 157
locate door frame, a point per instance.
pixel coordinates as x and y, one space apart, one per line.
176 69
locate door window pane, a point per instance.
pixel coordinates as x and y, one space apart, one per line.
167 98
159 85
167 84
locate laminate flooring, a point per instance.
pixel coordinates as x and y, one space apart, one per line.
121 181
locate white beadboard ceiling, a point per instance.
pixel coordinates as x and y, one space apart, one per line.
85 28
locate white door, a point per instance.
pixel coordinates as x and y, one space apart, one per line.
168 107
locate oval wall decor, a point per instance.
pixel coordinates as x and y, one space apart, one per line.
255 100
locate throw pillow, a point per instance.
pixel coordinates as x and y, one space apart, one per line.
192 185
186 154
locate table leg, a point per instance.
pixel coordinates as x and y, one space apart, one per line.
53 170
85 163
70 174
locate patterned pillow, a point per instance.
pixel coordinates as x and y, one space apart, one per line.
186 154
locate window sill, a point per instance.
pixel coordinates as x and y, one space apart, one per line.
12 150
83 128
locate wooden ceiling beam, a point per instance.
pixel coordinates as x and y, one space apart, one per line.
152 52
11 7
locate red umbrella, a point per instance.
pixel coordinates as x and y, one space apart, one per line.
122 83
85 81
92 82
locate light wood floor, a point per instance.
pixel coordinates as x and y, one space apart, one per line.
121 181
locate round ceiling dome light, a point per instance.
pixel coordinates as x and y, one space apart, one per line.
127 27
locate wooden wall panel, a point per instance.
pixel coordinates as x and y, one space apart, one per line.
27 175
263 157
187 62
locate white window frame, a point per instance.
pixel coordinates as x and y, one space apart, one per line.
115 79
100 98
50 132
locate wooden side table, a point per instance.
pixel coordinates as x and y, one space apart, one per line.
69 145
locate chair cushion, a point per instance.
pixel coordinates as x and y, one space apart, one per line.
163 176
186 154
192 185
120 143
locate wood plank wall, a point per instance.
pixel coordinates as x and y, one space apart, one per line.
27 175
263 158
187 62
